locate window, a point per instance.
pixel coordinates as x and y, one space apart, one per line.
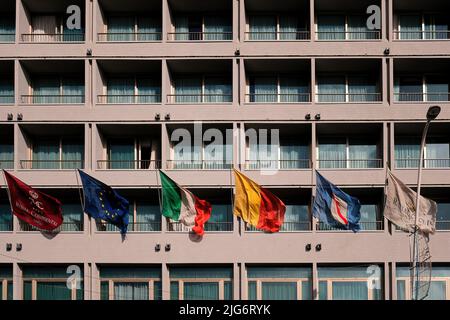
418 26
279 283
50 283
132 28
144 216
279 89
421 88
202 89
6 154
348 153
342 27
73 217
347 88
443 215
221 218
6 90
132 90
349 283
407 152
52 28
57 90
7 28
277 27
132 154
210 28
439 286
202 283
5 215
130 283
296 218
6 285
56 153
370 217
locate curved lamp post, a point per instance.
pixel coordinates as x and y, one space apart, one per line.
432 114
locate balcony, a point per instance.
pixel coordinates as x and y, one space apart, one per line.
129 82
6 81
350 164
209 227
7 164
278 164
132 227
128 164
51 164
7 22
64 227
348 35
277 98
200 82
52 99
199 165
277 35
47 22
6 147
427 163
365 226
348 81
200 36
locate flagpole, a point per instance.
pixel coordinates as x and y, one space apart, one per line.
8 193
158 188
82 201
231 192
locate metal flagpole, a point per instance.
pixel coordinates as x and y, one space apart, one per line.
82 200
158 188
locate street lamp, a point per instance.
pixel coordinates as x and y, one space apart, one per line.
432 114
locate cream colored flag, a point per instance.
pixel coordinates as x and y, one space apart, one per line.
400 207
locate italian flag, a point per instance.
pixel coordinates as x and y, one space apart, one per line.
179 204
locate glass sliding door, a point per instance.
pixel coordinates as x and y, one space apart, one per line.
122 154
370 219
148 29
436 26
296 218
443 215
410 27
263 89
332 153
217 28
437 153
6 155
6 90
330 27
73 217
437 88
409 88
72 91
221 218
120 90
294 155
5 217
46 90
46 154
357 28
293 90
363 154
407 152
263 27
331 89
121 28
217 90
148 217
363 89
149 90
7 28
188 90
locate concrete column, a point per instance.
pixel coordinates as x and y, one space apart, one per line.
16 83
87 281
312 19
166 21
384 81
391 80
242 82
95 281
384 19
393 280
235 81
236 21
315 282
165 279
244 286
313 82
236 280
165 83
242 21
387 284
17 282
390 19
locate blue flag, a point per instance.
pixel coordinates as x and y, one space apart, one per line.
335 207
102 202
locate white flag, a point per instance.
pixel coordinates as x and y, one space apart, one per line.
400 207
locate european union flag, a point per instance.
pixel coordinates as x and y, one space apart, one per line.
335 207
102 202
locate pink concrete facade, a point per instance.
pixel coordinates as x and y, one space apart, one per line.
236 248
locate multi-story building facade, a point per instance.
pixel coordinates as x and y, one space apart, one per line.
109 97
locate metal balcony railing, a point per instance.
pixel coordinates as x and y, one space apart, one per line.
153 226
277 36
442 225
6 164
277 98
6 99
348 97
199 98
7 37
51 164
421 35
427 163
200 36
365 226
129 99
56 37
421 97
6 226
348 35
128 164
287 226
129 37
199 164
278 164
209 226
52 99
73 226
351 164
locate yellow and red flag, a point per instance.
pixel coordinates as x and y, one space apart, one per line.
256 205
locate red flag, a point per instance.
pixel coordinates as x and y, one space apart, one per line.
32 206
203 209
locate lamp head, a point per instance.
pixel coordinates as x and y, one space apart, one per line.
433 112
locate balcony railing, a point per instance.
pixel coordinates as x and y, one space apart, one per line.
277 36
200 36
128 164
286 227
51 164
199 98
129 99
442 225
421 97
277 164
427 163
129 37
132 227
56 37
6 164
6 99
7 37
421 35
351 164
209 226
52 99
348 35
199 164
348 97
73 226
6 226
278 98
365 226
